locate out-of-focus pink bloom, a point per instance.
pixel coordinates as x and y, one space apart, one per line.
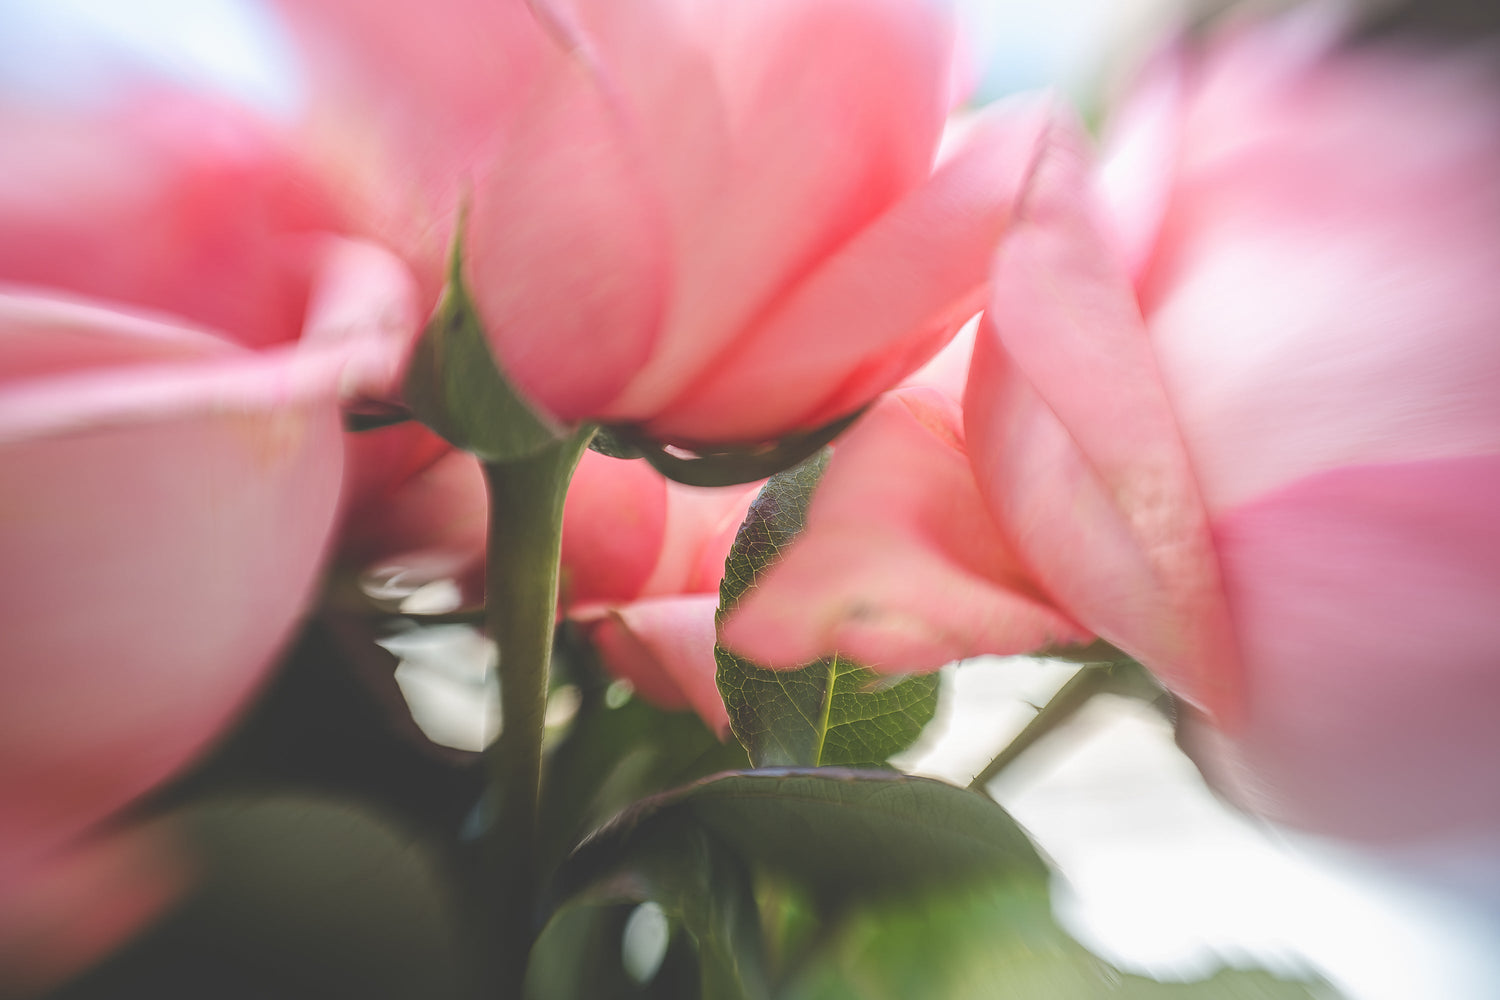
1240 418
176 336
717 221
641 556
1319 292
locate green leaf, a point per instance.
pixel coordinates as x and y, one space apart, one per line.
991 940
844 834
699 884
833 711
297 896
580 955
454 386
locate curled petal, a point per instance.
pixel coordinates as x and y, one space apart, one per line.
1076 447
900 566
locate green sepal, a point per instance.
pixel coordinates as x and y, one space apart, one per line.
728 466
608 443
454 386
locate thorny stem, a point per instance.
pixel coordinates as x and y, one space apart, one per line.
1090 680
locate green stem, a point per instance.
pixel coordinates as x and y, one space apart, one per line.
1090 680
526 505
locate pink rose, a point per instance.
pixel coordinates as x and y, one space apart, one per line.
1244 424
719 222
176 332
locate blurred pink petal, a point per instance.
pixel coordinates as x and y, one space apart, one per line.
665 647
900 566
147 603
948 371
206 195
365 298
1076 446
405 102
171 433
1324 281
76 907
700 529
1365 601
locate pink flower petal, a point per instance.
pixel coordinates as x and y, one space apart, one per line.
162 203
77 906
419 110
882 304
832 109
566 250
157 565
1305 258
363 296
900 566
404 101
42 335
167 372
700 527
431 525
1076 446
614 526
1365 600
665 647
1135 175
